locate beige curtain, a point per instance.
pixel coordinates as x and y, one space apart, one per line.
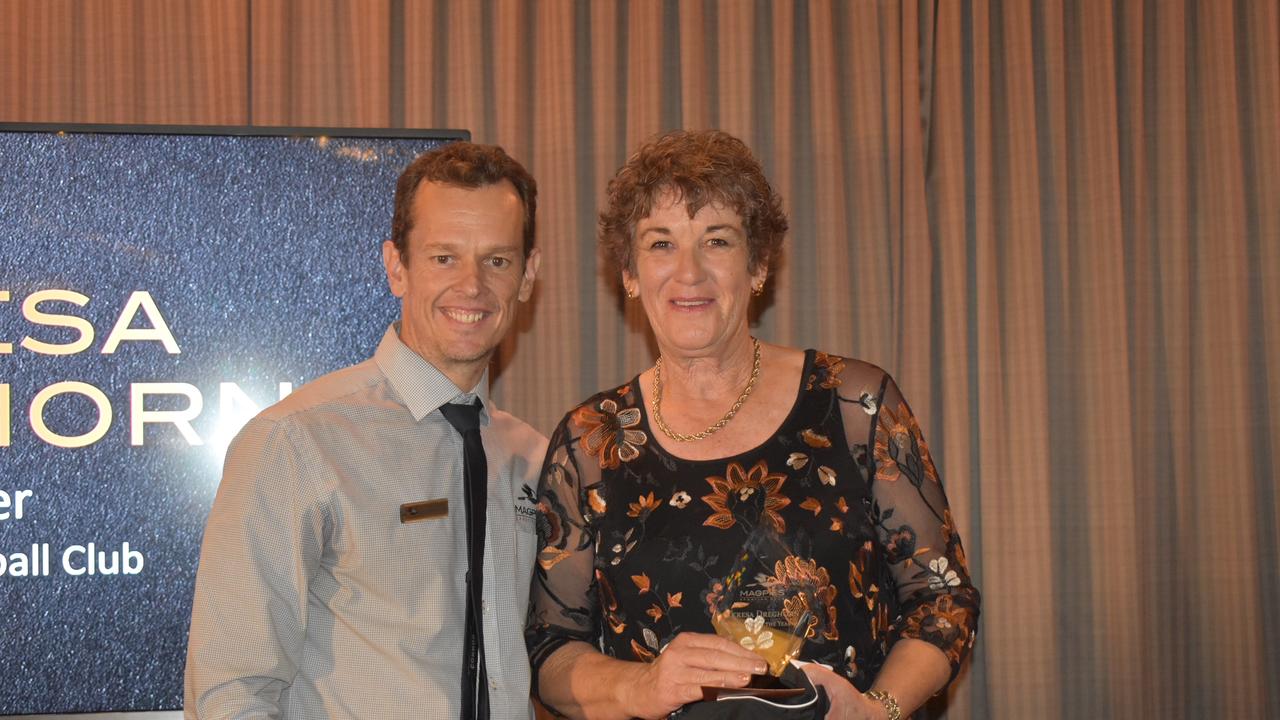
1057 223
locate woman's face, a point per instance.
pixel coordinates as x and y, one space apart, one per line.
691 275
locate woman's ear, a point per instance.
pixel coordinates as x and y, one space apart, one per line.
630 285
759 278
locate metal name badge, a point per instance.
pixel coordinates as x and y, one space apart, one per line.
424 510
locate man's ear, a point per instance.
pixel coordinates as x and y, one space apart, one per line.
531 265
396 271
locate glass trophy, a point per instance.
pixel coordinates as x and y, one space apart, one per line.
767 602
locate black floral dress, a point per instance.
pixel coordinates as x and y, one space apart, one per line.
635 543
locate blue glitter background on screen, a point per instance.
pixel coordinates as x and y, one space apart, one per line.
263 255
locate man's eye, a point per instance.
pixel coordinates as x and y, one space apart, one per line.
499 262
442 259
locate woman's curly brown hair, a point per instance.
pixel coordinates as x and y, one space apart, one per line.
701 167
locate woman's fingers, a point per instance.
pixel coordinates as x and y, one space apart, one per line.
687 663
846 702
717 661
718 679
715 653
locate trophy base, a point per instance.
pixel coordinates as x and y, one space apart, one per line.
761 686
767 681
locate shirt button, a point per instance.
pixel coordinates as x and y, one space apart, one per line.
484 606
493 684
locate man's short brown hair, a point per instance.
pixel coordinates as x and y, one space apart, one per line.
466 165
701 167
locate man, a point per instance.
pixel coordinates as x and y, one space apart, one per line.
335 577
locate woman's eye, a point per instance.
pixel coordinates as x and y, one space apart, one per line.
718 241
660 245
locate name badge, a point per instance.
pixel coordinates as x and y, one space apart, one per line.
424 510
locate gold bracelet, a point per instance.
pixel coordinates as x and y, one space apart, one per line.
889 702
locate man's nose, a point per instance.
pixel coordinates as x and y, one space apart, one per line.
470 278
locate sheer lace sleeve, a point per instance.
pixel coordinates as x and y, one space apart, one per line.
936 602
562 599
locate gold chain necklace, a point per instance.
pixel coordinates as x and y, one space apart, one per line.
681 437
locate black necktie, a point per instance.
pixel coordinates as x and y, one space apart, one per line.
475 681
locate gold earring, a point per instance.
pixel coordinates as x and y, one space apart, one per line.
758 290
632 294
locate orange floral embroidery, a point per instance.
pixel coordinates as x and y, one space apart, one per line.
813 439
596 501
827 368
864 590
607 432
549 557
900 448
642 653
738 486
644 504
943 623
642 582
714 598
809 590
610 605
550 524
880 623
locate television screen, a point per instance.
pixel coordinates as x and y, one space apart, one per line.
156 290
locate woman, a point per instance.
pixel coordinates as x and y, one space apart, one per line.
650 490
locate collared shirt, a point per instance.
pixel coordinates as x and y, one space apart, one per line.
313 600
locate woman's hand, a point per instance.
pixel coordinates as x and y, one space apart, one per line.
687 663
846 702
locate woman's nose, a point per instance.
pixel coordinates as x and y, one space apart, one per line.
689 266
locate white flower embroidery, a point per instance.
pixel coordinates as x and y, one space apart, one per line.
942 577
797 460
868 403
650 638
680 499
826 475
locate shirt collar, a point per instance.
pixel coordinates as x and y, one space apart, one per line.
420 385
